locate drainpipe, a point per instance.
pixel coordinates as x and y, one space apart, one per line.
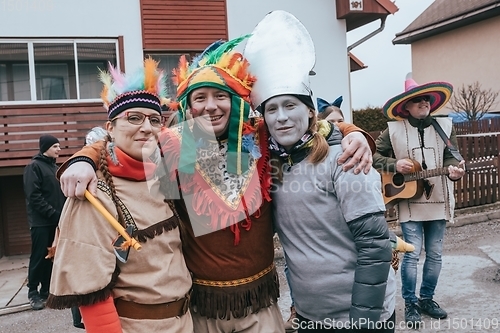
370 35
362 40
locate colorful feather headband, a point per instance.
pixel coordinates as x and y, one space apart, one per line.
146 87
217 67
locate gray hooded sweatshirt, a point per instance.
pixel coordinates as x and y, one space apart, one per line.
332 227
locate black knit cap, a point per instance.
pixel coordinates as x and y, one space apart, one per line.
46 141
307 100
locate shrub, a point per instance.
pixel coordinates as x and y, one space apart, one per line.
370 119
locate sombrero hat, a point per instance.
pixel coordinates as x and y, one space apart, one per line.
439 92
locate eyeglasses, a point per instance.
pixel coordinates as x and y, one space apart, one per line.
137 118
418 99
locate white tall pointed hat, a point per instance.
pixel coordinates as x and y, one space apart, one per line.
281 55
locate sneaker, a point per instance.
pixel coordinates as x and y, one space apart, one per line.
430 307
36 302
412 315
44 296
290 322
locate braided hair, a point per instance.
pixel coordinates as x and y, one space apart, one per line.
108 178
165 184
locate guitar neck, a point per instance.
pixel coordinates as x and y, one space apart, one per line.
426 174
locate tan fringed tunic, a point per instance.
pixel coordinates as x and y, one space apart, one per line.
87 271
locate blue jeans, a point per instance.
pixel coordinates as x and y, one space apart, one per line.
416 233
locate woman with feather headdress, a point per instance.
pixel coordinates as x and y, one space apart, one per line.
118 291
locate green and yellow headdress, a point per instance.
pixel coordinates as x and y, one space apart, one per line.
222 68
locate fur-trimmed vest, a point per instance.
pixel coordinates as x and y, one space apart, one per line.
406 143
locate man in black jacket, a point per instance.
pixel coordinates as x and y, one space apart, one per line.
44 201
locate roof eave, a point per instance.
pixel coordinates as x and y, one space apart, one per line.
447 25
388 5
355 63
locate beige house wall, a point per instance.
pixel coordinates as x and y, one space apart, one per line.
461 56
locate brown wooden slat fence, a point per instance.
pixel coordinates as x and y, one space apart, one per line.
479 186
21 127
479 126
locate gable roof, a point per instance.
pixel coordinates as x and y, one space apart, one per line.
446 15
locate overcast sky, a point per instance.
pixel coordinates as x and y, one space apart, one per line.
387 64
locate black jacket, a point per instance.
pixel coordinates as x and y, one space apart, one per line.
44 198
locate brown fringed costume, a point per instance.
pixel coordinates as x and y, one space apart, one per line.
232 262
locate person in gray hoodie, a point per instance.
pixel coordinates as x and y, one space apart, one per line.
331 224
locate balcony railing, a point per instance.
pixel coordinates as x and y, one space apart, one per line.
22 126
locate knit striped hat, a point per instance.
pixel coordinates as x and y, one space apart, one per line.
146 87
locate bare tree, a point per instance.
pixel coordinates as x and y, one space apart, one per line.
472 102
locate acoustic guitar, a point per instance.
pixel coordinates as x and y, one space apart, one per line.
397 186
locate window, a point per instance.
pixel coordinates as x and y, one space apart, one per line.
14 72
91 57
53 70
3 82
167 62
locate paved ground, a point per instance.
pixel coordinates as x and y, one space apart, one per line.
13 278
468 288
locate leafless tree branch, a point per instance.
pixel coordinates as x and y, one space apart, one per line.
473 102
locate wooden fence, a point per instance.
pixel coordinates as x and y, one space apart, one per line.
490 125
479 186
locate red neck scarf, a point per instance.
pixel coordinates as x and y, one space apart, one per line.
130 168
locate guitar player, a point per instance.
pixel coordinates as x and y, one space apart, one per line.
417 136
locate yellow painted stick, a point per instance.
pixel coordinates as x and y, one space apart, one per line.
112 221
403 246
